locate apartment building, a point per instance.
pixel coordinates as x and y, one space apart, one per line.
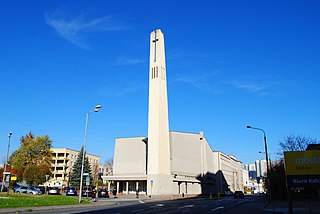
62 164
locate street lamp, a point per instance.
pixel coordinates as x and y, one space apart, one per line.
267 159
96 109
269 155
5 166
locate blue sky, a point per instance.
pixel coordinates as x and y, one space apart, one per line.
229 64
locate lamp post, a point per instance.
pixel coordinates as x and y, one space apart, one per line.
5 166
267 159
269 155
96 109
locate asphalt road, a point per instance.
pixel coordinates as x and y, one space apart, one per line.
250 204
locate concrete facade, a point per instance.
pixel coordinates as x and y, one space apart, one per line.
159 172
195 167
229 172
62 164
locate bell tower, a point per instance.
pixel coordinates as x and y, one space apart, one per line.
159 170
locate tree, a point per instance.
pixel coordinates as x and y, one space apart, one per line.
32 161
95 172
76 171
278 180
296 143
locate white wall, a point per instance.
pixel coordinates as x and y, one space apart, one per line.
185 153
129 156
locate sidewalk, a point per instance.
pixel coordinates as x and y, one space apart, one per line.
302 206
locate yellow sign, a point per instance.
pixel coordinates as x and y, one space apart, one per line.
302 162
13 178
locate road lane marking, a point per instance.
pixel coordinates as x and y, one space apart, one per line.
186 206
217 208
157 205
135 211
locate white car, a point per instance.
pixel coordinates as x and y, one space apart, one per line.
34 191
54 191
21 189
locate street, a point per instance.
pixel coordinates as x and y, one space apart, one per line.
249 204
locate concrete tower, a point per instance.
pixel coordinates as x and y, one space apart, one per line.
159 172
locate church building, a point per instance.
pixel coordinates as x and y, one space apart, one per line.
169 162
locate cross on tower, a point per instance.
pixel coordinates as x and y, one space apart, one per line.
155 44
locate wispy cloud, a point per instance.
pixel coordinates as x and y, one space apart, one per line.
212 82
130 61
76 30
184 53
248 86
121 90
202 81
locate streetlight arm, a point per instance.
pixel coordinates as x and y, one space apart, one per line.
264 133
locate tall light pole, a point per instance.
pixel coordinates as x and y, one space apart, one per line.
267 159
269 155
5 166
96 109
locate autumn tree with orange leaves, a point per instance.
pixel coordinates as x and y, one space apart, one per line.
32 161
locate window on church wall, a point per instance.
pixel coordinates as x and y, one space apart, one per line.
157 72
163 73
131 186
152 69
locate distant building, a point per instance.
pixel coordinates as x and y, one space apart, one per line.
255 171
250 167
261 166
105 170
62 164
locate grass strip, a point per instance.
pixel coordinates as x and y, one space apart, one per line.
22 200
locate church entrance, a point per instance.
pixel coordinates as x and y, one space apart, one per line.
131 187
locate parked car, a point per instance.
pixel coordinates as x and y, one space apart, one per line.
103 193
41 188
5 189
71 191
21 189
227 193
238 194
34 191
15 187
54 191
87 192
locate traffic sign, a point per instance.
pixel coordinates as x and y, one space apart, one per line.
87 180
